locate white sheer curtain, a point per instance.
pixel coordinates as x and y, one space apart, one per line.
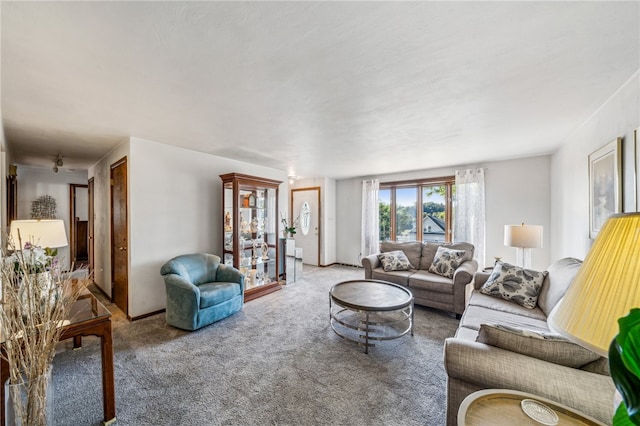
469 222
370 222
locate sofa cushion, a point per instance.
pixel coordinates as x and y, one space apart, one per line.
429 251
501 305
474 316
539 344
514 283
212 294
394 261
412 249
396 277
446 261
561 274
424 280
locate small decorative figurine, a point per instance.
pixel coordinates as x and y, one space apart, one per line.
265 251
227 222
254 224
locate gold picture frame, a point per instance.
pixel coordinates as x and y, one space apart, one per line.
605 188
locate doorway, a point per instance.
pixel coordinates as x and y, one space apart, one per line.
78 225
305 205
119 236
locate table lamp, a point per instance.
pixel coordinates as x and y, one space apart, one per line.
46 233
523 238
606 288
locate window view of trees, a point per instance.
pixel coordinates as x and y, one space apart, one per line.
400 220
384 198
406 199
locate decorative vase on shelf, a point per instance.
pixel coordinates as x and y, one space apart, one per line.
29 402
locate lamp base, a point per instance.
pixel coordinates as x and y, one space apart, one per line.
523 257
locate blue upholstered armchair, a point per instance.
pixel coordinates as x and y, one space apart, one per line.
200 290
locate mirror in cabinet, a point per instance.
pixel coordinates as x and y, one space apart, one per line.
250 224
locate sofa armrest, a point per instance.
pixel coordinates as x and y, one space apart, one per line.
230 274
464 273
479 279
489 367
369 263
461 277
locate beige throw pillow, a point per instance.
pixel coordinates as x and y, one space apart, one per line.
543 345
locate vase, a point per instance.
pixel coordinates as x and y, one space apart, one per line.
36 289
30 402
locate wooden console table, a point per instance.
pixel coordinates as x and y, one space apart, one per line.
88 317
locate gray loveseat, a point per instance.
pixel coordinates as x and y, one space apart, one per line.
483 357
428 289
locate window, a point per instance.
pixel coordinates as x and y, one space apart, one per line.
402 220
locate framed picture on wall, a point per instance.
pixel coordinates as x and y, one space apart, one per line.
605 190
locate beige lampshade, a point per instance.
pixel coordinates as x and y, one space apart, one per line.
606 287
44 233
525 236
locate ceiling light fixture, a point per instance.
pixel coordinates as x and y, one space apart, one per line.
57 163
292 179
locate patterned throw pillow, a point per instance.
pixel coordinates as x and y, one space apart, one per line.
394 261
446 261
514 283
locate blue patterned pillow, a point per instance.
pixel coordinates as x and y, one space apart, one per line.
395 261
514 283
446 261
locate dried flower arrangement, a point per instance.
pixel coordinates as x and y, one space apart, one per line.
37 299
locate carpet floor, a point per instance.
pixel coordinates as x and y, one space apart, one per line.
276 362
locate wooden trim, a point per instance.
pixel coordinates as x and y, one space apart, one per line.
150 314
414 182
72 219
91 228
248 180
120 162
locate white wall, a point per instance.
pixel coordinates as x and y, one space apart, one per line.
82 203
617 117
516 191
34 182
175 207
327 215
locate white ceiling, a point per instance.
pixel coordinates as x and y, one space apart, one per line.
334 89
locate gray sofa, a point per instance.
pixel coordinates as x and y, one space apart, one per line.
428 289
474 359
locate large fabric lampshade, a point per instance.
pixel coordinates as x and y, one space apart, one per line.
43 232
606 287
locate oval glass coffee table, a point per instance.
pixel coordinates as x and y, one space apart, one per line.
362 311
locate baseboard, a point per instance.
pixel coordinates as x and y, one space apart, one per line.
344 264
150 314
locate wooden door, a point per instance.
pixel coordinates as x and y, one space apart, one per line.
305 204
119 236
90 229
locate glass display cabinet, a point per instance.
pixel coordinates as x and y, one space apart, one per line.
250 231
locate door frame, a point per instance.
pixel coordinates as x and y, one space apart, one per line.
118 163
91 227
291 214
72 218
